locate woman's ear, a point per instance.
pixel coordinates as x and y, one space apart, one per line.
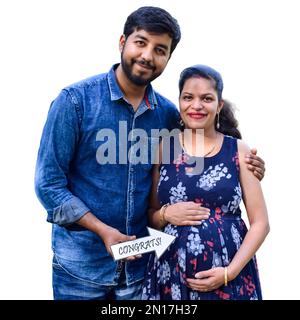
122 42
220 106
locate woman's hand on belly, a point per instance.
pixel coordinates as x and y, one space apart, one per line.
186 213
207 280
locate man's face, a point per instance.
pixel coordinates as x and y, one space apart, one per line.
144 56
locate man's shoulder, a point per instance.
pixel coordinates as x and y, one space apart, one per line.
89 82
164 102
169 113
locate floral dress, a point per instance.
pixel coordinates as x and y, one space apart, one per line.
211 244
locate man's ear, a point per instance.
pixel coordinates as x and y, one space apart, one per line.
122 42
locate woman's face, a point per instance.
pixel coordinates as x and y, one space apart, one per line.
198 103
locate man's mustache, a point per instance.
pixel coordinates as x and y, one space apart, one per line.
145 63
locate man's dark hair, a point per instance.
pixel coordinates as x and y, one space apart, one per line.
155 20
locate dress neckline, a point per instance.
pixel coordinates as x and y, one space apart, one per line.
208 157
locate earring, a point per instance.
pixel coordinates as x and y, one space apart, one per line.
181 123
218 120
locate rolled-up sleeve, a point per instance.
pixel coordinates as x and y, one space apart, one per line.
57 148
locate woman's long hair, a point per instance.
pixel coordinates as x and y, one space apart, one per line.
228 122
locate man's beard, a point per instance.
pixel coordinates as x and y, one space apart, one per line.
137 80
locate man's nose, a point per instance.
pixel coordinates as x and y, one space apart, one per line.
147 54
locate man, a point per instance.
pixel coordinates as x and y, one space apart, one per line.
94 203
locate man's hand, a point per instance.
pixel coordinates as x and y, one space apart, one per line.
108 234
114 236
255 164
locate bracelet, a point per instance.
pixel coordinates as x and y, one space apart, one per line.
162 211
225 277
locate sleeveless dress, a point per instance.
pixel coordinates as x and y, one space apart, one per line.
211 244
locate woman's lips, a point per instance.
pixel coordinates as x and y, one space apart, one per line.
197 115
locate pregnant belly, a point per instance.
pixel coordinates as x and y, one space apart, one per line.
212 244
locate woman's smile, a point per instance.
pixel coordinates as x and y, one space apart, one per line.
197 115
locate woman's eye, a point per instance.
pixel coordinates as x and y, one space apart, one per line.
187 98
208 99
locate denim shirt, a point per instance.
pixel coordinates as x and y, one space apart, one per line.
71 181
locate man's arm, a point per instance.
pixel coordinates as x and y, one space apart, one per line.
58 144
57 148
108 234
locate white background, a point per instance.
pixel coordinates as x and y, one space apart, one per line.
46 45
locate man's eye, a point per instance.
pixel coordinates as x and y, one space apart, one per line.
160 52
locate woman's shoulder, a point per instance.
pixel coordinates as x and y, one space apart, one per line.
243 147
238 146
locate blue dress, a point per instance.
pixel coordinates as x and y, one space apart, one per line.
211 244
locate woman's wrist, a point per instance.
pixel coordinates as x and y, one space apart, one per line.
231 274
162 215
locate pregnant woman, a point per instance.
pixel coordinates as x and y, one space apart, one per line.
213 255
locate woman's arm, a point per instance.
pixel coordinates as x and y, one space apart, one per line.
154 205
257 214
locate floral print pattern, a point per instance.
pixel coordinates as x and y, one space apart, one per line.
163 176
178 193
212 175
194 244
209 245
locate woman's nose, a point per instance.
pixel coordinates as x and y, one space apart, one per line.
197 105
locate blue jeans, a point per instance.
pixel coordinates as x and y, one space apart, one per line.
68 287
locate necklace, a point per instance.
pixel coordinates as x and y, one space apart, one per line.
206 154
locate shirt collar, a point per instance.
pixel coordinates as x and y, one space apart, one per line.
116 93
